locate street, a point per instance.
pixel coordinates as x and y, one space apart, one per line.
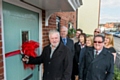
117 44
117 47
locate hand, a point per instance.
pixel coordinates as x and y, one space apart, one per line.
76 77
25 58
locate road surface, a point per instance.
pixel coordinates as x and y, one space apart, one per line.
117 44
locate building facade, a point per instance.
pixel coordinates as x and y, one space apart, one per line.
88 16
33 20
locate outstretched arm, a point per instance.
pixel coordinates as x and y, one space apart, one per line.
33 60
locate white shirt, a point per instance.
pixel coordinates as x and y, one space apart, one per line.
98 51
82 46
52 50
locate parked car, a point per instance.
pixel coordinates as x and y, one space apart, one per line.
117 34
112 33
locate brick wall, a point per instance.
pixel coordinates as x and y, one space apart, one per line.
46 29
1 56
65 18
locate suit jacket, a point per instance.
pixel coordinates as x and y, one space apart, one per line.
59 67
99 68
70 45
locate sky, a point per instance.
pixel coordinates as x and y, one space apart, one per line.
109 11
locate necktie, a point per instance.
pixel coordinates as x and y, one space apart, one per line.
96 54
64 41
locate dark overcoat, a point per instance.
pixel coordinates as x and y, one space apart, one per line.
59 67
76 58
77 47
99 68
70 45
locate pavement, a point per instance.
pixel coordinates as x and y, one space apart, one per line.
117 44
117 48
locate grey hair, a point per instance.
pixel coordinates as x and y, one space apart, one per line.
53 31
65 28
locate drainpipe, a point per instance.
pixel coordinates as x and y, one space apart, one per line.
76 18
99 13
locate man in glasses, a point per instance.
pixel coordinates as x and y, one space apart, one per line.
97 31
98 63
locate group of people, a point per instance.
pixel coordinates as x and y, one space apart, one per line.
80 58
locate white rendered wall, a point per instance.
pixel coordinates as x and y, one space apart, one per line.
88 16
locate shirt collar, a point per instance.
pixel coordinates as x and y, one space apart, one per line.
98 51
82 46
64 38
55 46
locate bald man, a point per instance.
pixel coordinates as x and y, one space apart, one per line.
97 31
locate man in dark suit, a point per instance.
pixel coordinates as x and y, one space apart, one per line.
66 41
98 63
56 59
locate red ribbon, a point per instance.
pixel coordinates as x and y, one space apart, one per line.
28 48
12 53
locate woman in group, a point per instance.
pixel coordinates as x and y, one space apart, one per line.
89 41
78 47
109 44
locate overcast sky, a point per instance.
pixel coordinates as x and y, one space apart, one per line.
110 11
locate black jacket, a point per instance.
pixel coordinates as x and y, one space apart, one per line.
76 58
70 45
99 68
59 67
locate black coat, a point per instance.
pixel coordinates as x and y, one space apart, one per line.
76 58
99 68
59 67
77 51
70 45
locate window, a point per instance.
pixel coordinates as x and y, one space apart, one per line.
58 23
25 36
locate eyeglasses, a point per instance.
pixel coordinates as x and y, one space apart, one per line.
98 42
97 31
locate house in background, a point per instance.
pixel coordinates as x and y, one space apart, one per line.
118 27
110 26
32 19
